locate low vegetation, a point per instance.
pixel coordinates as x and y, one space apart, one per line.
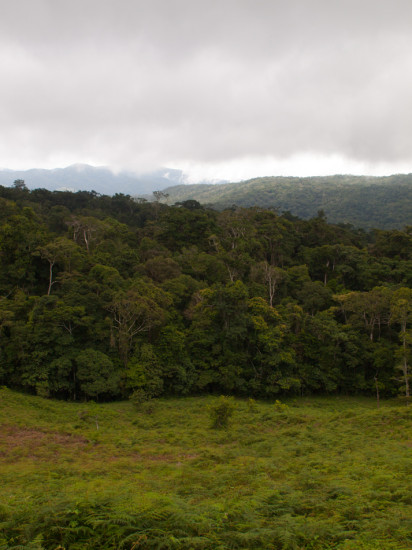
300 474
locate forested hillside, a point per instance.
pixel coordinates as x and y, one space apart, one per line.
368 202
104 297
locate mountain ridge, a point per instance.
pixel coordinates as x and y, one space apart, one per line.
83 177
363 201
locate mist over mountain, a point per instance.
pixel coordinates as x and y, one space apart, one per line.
82 177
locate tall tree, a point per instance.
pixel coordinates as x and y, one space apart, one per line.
401 314
59 251
137 310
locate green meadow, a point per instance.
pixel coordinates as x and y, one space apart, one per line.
308 473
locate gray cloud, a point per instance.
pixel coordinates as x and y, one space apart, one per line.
135 83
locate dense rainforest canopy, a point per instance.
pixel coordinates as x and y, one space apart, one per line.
104 296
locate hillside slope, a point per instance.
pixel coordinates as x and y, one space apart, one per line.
367 202
317 473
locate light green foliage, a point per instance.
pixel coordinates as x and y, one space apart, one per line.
281 407
252 405
331 473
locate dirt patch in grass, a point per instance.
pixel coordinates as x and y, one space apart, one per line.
178 459
18 443
26 442
170 458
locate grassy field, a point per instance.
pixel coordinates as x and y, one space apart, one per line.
320 473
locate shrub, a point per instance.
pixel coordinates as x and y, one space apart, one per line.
280 407
222 412
251 405
139 398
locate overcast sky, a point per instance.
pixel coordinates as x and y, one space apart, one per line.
220 88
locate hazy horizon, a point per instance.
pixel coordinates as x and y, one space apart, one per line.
185 179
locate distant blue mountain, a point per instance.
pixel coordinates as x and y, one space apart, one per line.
82 177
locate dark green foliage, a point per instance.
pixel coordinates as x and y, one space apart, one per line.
103 296
96 374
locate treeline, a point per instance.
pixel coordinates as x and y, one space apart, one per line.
105 296
368 202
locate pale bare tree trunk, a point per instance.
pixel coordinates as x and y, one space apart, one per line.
405 365
50 278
